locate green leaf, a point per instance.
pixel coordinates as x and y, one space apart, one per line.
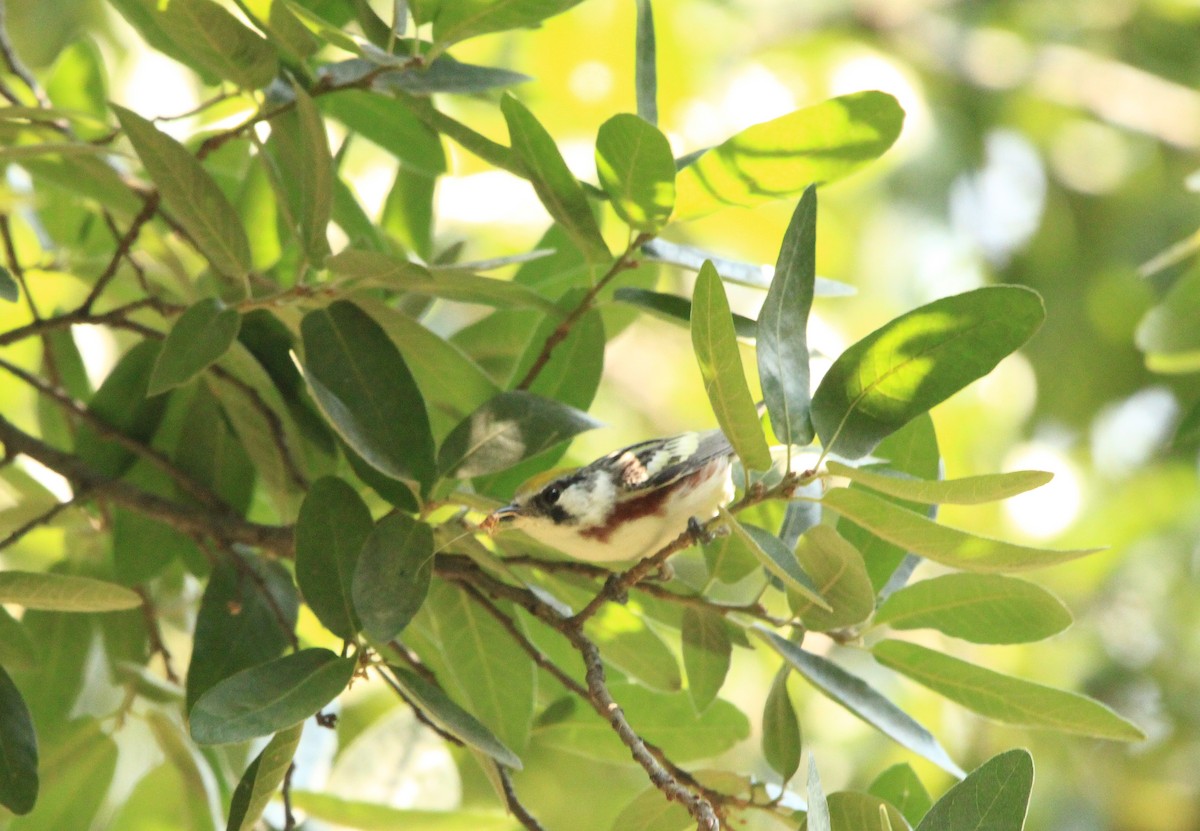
781 738
261 779
246 617
393 573
840 576
947 546
971 490
668 720
511 427
1188 431
775 558
1004 698
193 199
462 19
453 719
782 327
64 592
780 158
18 750
304 170
270 697
645 64
853 811
333 525
209 452
369 816
981 608
366 391
900 787
677 309
555 185
715 344
864 701
816 818
706 654
994 797
122 403
371 268
730 558
633 647
76 772
9 290
377 118
1167 333
637 171
16 647
918 360
200 336
445 74
648 811
731 271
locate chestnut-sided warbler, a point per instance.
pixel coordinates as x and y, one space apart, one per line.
628 504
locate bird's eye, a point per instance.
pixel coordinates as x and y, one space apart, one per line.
552 493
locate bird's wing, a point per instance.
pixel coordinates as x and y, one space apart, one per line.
653 464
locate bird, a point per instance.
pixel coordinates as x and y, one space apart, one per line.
628 504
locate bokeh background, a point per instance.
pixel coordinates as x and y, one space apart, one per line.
1048 144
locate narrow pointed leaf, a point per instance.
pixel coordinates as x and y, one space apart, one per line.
64 592
18 750
781 740
900 787
646 63
981 608
817 817
453 719
780 158
1004 698
9 290
855 811
783 325
706 654
333 525
994 797
775 558
677 309
513 426
461 19
863 700
200 336
270 697
556 187
732 271
715 343
636 170
393 574
918 360
304 168
262 778
122 403
840 576
366 391
971 490
192 197
944 545
374 816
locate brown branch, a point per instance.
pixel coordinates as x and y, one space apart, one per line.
149 207
564 328
514 803
114 317
14 264
274 423
40 519
226 527
289 820
14 64
154 634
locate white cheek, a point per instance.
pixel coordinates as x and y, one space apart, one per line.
589 506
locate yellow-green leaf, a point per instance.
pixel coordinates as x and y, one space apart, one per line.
970 490
64 592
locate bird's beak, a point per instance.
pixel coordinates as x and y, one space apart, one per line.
492 522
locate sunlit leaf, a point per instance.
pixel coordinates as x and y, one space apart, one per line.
817 817
646 64
900 787
64 592
854 811
994 797
776 558
462 19
971 490
677 309
200 336
840 576
706 654
732 271
371 816
1004 698
636 169
918 360
261 779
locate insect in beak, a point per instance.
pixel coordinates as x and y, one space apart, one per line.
492 521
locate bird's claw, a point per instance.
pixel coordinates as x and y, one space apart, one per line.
699 535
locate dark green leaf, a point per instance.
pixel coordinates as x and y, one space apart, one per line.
453 719
646 64
261 779
304 170
9 290
462 19
64 592
939 543
918 360
972 490
781 737
776 558
246 617
330 532
193 199
715 344
269 697
782 327
366 391
143 547
208 450
393 573
18 750
1004 698
853 811
121 402
780 158
200 336
448 75
840 576
677 309
900 787
636 170
994 797
556 186
511 427
981 608
395 129
706 654
865 702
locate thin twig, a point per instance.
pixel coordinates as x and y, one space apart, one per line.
514 803
154 633
39 520
149 207
14 63
289 820
14 264
113 317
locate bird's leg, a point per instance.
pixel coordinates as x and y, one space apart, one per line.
699 535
